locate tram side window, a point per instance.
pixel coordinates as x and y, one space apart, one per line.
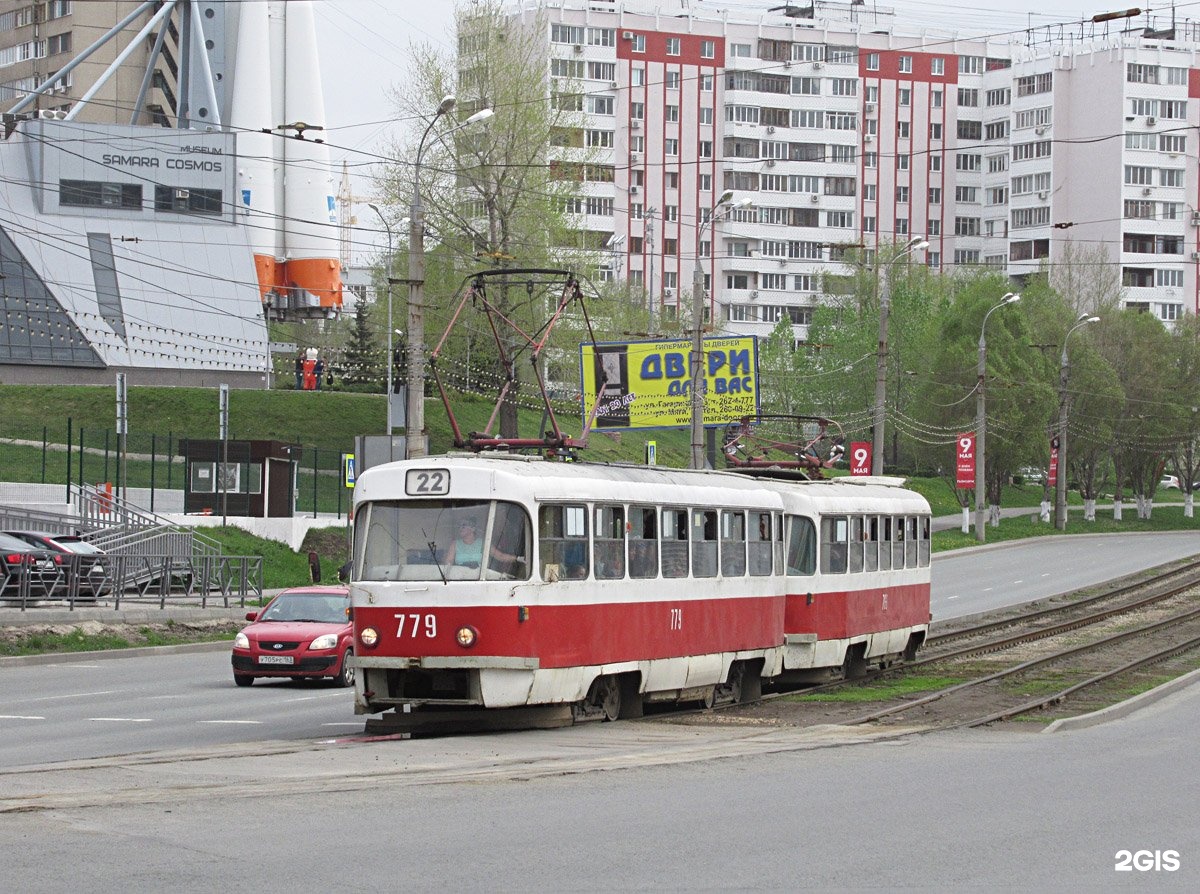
924 548
910 541
885 542
871 543
733 544
761 544
704 543
802 545
643 542
563 542
674 543
610 542
508 556
854 560
898 541
834 529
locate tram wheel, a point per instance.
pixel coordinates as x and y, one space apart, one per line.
745 683
855 665
709 698
606 695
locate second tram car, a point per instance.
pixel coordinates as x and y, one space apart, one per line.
505 581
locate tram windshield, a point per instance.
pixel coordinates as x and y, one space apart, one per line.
442 540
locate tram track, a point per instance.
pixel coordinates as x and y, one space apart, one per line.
1091 643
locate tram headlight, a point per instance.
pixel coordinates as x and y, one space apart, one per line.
466 636
369 637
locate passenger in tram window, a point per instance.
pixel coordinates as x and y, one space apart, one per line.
643 562
467 549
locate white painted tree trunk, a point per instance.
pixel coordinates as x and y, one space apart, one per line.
1116 510
1089 510
1144 505
1187 505
993 515
1044 514
966 521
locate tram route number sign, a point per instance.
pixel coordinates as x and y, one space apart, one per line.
964 461
860 457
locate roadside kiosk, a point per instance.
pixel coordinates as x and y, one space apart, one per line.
254 478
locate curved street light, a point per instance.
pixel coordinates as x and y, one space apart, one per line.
417 441
727 205
916 243
981 420
1060 481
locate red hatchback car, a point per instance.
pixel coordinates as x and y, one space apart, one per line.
303 633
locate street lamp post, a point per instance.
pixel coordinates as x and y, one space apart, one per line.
724 203
1060 483
417 438
388 274
916 243
981 419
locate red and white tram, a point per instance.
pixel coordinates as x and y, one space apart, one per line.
505 581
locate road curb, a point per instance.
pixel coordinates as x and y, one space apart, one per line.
109 654
1125 708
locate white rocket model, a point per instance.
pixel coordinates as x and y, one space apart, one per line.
284 178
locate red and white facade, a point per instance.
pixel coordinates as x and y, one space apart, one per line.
849 133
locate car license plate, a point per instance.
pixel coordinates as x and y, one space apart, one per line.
46 565
276 659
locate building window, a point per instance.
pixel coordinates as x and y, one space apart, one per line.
708 49
638 44
872 62
187 201
937 66
670 146
904 96
87 193
672 46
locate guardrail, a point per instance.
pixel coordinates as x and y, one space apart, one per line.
137 579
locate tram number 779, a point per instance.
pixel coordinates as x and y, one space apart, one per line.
416 625
676 619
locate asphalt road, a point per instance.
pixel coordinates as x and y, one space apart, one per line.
77 708
633 807
981 579
83 708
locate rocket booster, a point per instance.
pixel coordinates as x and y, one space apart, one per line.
284 178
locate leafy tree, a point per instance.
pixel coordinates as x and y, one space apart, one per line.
1135 344
1018 401
499 196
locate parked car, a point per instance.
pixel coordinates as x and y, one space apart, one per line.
20 560
302 633
1170 482
92 566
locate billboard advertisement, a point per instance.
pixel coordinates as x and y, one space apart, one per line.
648 384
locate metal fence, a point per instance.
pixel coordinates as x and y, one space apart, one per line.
146 580
69 453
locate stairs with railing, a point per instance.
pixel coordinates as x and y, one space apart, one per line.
148 554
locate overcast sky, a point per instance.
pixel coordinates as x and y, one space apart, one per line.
364 47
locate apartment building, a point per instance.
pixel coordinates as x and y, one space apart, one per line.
38 39
846 130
